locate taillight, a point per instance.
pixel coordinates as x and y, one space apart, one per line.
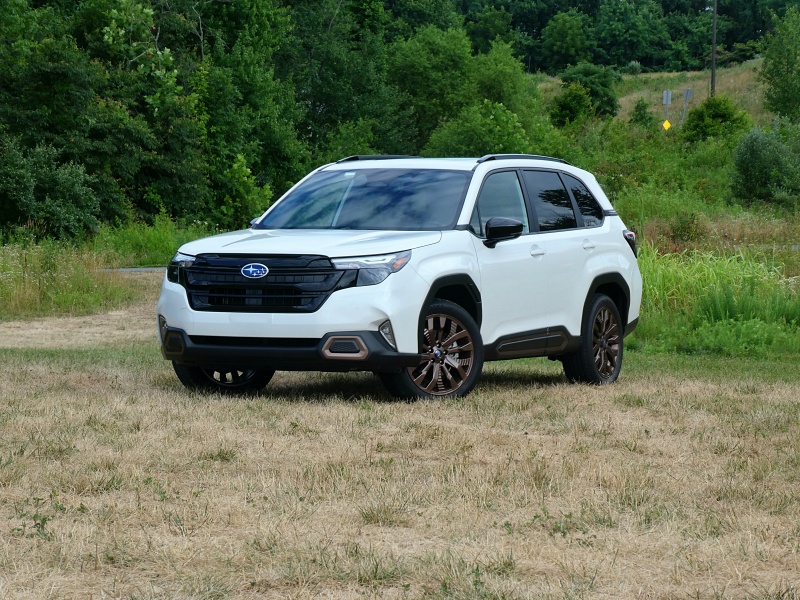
630 237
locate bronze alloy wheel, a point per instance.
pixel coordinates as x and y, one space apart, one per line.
599 359
605 342
447 356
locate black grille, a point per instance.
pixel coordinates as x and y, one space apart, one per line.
293 283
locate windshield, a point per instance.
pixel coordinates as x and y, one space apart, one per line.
389 199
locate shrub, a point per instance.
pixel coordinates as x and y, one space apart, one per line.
482 129
38 192
599 81
641 115
572 105
767 164
715 116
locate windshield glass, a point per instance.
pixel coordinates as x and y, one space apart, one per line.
390 199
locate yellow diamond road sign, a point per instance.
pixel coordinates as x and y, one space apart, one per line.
667 125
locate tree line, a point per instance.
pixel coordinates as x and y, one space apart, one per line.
117 110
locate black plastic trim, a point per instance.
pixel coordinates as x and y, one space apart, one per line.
284 354
488 157
551 341
609 278
373 157
464 281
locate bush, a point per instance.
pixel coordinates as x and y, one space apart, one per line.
641 115
572 105
38 193
767 165
715 116
599 81
482 129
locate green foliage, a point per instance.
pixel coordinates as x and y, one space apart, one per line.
599 82
715 116
140 245
246 201
489 26
347 140
39 193
780 70
565 41
767 165
572 105
735 305
641 115
485 129
434 72
54 278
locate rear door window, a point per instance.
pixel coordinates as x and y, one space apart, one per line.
551 202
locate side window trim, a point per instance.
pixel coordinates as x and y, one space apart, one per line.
532 222
578 213
531 205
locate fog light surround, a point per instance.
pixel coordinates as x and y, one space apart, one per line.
387 332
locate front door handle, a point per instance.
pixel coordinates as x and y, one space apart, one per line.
537 251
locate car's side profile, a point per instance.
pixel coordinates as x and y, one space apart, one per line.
419 270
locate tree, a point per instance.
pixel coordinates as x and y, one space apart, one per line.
780 70
564 41
487 26
433 70
487 128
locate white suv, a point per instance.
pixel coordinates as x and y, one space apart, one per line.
416 269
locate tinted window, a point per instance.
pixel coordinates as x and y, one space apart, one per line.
389 199
587 205
500 196
550 200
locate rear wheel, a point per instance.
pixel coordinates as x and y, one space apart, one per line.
599 358
224 380
451 356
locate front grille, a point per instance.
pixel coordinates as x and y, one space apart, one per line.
293 283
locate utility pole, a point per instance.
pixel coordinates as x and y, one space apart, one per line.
714 51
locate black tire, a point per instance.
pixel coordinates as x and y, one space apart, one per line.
452 356
599 358
226 381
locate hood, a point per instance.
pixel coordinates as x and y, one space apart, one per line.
334 243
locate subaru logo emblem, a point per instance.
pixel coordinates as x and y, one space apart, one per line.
254 271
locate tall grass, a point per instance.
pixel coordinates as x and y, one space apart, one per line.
57 279
142 245
704 302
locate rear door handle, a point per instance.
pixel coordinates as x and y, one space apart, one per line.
589 245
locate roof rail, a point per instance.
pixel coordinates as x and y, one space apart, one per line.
373 157
511 156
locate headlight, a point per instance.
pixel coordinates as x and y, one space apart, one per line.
178 261
374 269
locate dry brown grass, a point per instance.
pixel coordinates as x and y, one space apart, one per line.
739 82
117 483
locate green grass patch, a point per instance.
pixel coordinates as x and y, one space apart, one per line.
56 279
702 302
142 245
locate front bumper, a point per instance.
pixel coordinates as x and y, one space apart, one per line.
340 351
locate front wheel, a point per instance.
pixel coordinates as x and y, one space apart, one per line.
599 358
224 380
451 355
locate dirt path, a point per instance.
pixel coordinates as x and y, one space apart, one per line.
134 323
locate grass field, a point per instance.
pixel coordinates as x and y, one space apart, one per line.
680 481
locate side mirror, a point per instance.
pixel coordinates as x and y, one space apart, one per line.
500 229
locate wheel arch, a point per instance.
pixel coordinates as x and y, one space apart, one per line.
459 289
615 287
